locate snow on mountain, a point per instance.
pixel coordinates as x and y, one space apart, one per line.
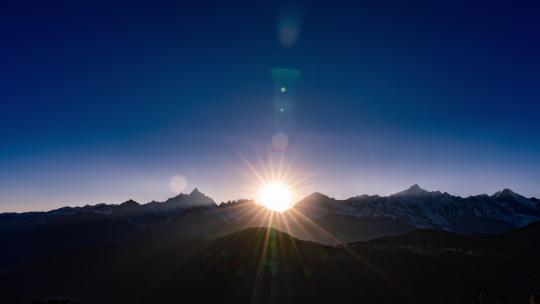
194 199
514 200
414 206
432 209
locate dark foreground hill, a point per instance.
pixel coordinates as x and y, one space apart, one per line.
256 265
260 265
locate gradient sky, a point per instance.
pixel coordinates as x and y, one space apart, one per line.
106 101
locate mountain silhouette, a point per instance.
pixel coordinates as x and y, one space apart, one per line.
194 199
415 191
433 209
317 217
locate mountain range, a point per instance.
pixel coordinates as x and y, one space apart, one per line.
353 219
317 218
414 246
432 209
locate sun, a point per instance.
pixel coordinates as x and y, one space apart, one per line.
275 196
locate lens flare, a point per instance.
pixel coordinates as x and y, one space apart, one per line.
177 184
289 25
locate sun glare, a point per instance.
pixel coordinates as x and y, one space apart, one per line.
275 196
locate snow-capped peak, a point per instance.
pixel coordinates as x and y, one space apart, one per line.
413 190
508 196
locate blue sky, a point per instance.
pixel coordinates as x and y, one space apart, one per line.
106 101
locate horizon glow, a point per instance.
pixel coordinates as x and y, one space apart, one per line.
359 98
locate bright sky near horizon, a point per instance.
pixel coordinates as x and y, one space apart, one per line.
104 101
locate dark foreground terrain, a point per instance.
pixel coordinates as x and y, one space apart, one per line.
260 265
